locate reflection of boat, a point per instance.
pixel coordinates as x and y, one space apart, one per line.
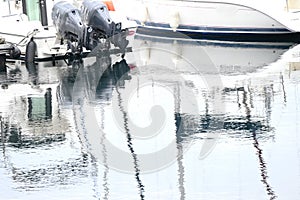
208 57
162 59
102 88
32 119
237 123
35 133
234 122
118 109
166 71
218 20
30 105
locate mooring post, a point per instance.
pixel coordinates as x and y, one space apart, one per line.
43 9
24 7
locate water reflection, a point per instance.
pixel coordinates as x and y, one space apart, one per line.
254 129
238 123
113 78
180 148
35 126
34 131
187 124
246 58
33 72
130 146
228 58
42 147
62 174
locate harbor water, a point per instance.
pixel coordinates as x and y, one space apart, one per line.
174 119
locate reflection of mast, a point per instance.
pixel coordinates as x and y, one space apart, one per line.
90 80
104 153
129 143
2 136
95 177
179 131
262 163
205 121
283 88
267 95
250 97
180 164
2 130
238 97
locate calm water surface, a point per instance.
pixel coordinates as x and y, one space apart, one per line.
173 120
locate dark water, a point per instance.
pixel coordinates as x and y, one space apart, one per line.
173 120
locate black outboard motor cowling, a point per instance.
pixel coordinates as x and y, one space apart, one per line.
67 21
95 15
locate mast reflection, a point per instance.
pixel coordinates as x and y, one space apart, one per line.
120 73
112 79
179 143
262 162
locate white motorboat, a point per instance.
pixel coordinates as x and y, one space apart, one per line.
18 31
18 28
233 20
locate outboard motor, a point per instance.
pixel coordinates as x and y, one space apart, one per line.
95 15
67 20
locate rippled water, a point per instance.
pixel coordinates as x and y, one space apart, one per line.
173 120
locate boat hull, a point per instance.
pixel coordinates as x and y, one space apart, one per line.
222 36
212 20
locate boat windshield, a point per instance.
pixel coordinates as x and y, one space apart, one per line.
10 7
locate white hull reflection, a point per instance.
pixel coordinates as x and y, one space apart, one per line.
207 57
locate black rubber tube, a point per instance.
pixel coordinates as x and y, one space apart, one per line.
30 51
2 63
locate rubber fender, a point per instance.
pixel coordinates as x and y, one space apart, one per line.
2 63
30 51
